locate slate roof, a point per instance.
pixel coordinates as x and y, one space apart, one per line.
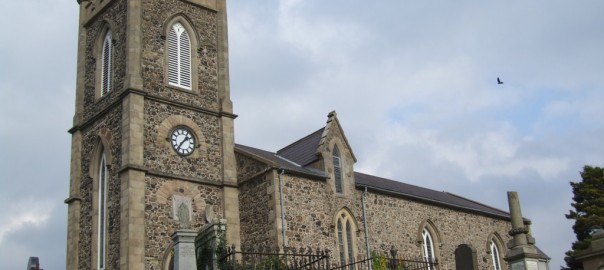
306 148
426 195
303 151
278 162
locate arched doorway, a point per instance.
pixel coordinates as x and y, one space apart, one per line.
465 258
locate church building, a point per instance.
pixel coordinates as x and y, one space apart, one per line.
153 151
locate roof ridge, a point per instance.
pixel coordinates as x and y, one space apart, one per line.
249 152
269 152
299 140
287 160
255 148
476 202
424 194
275 161
388 179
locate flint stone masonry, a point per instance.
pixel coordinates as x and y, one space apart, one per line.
160 221
248 167
156 14
396 221
205 165
392 221
257 212
312 207
108 127
115 19
311 211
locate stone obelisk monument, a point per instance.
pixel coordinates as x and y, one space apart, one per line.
522 253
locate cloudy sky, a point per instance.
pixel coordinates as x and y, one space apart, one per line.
413 83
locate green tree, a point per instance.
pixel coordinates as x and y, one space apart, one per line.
588 211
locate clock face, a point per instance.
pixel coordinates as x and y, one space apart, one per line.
182 141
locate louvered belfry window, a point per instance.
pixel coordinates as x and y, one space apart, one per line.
179 57
106 65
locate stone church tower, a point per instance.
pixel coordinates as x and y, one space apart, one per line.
152 136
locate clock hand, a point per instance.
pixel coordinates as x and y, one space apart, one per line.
183 141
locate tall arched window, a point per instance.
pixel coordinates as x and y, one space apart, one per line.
495 256
179 57
102 213
428 247
106 64
345 231
337 169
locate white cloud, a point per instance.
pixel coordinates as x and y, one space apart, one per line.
413 84
23 214
478 155
322 39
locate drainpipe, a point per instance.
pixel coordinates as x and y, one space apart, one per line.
370 264
281 171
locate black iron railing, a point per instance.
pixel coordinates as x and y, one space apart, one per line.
384 263
230 258
267 259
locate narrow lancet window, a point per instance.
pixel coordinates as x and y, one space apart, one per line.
495 256
341 243
337 170
102 215
428 248
345 232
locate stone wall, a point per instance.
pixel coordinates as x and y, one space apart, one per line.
114 18
109 127
396 222
157 13
311 209
160 222
392 221
103 115
333 136
166 107
248 167
257 212
206 162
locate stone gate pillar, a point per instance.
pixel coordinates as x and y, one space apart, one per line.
592 258
210 237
